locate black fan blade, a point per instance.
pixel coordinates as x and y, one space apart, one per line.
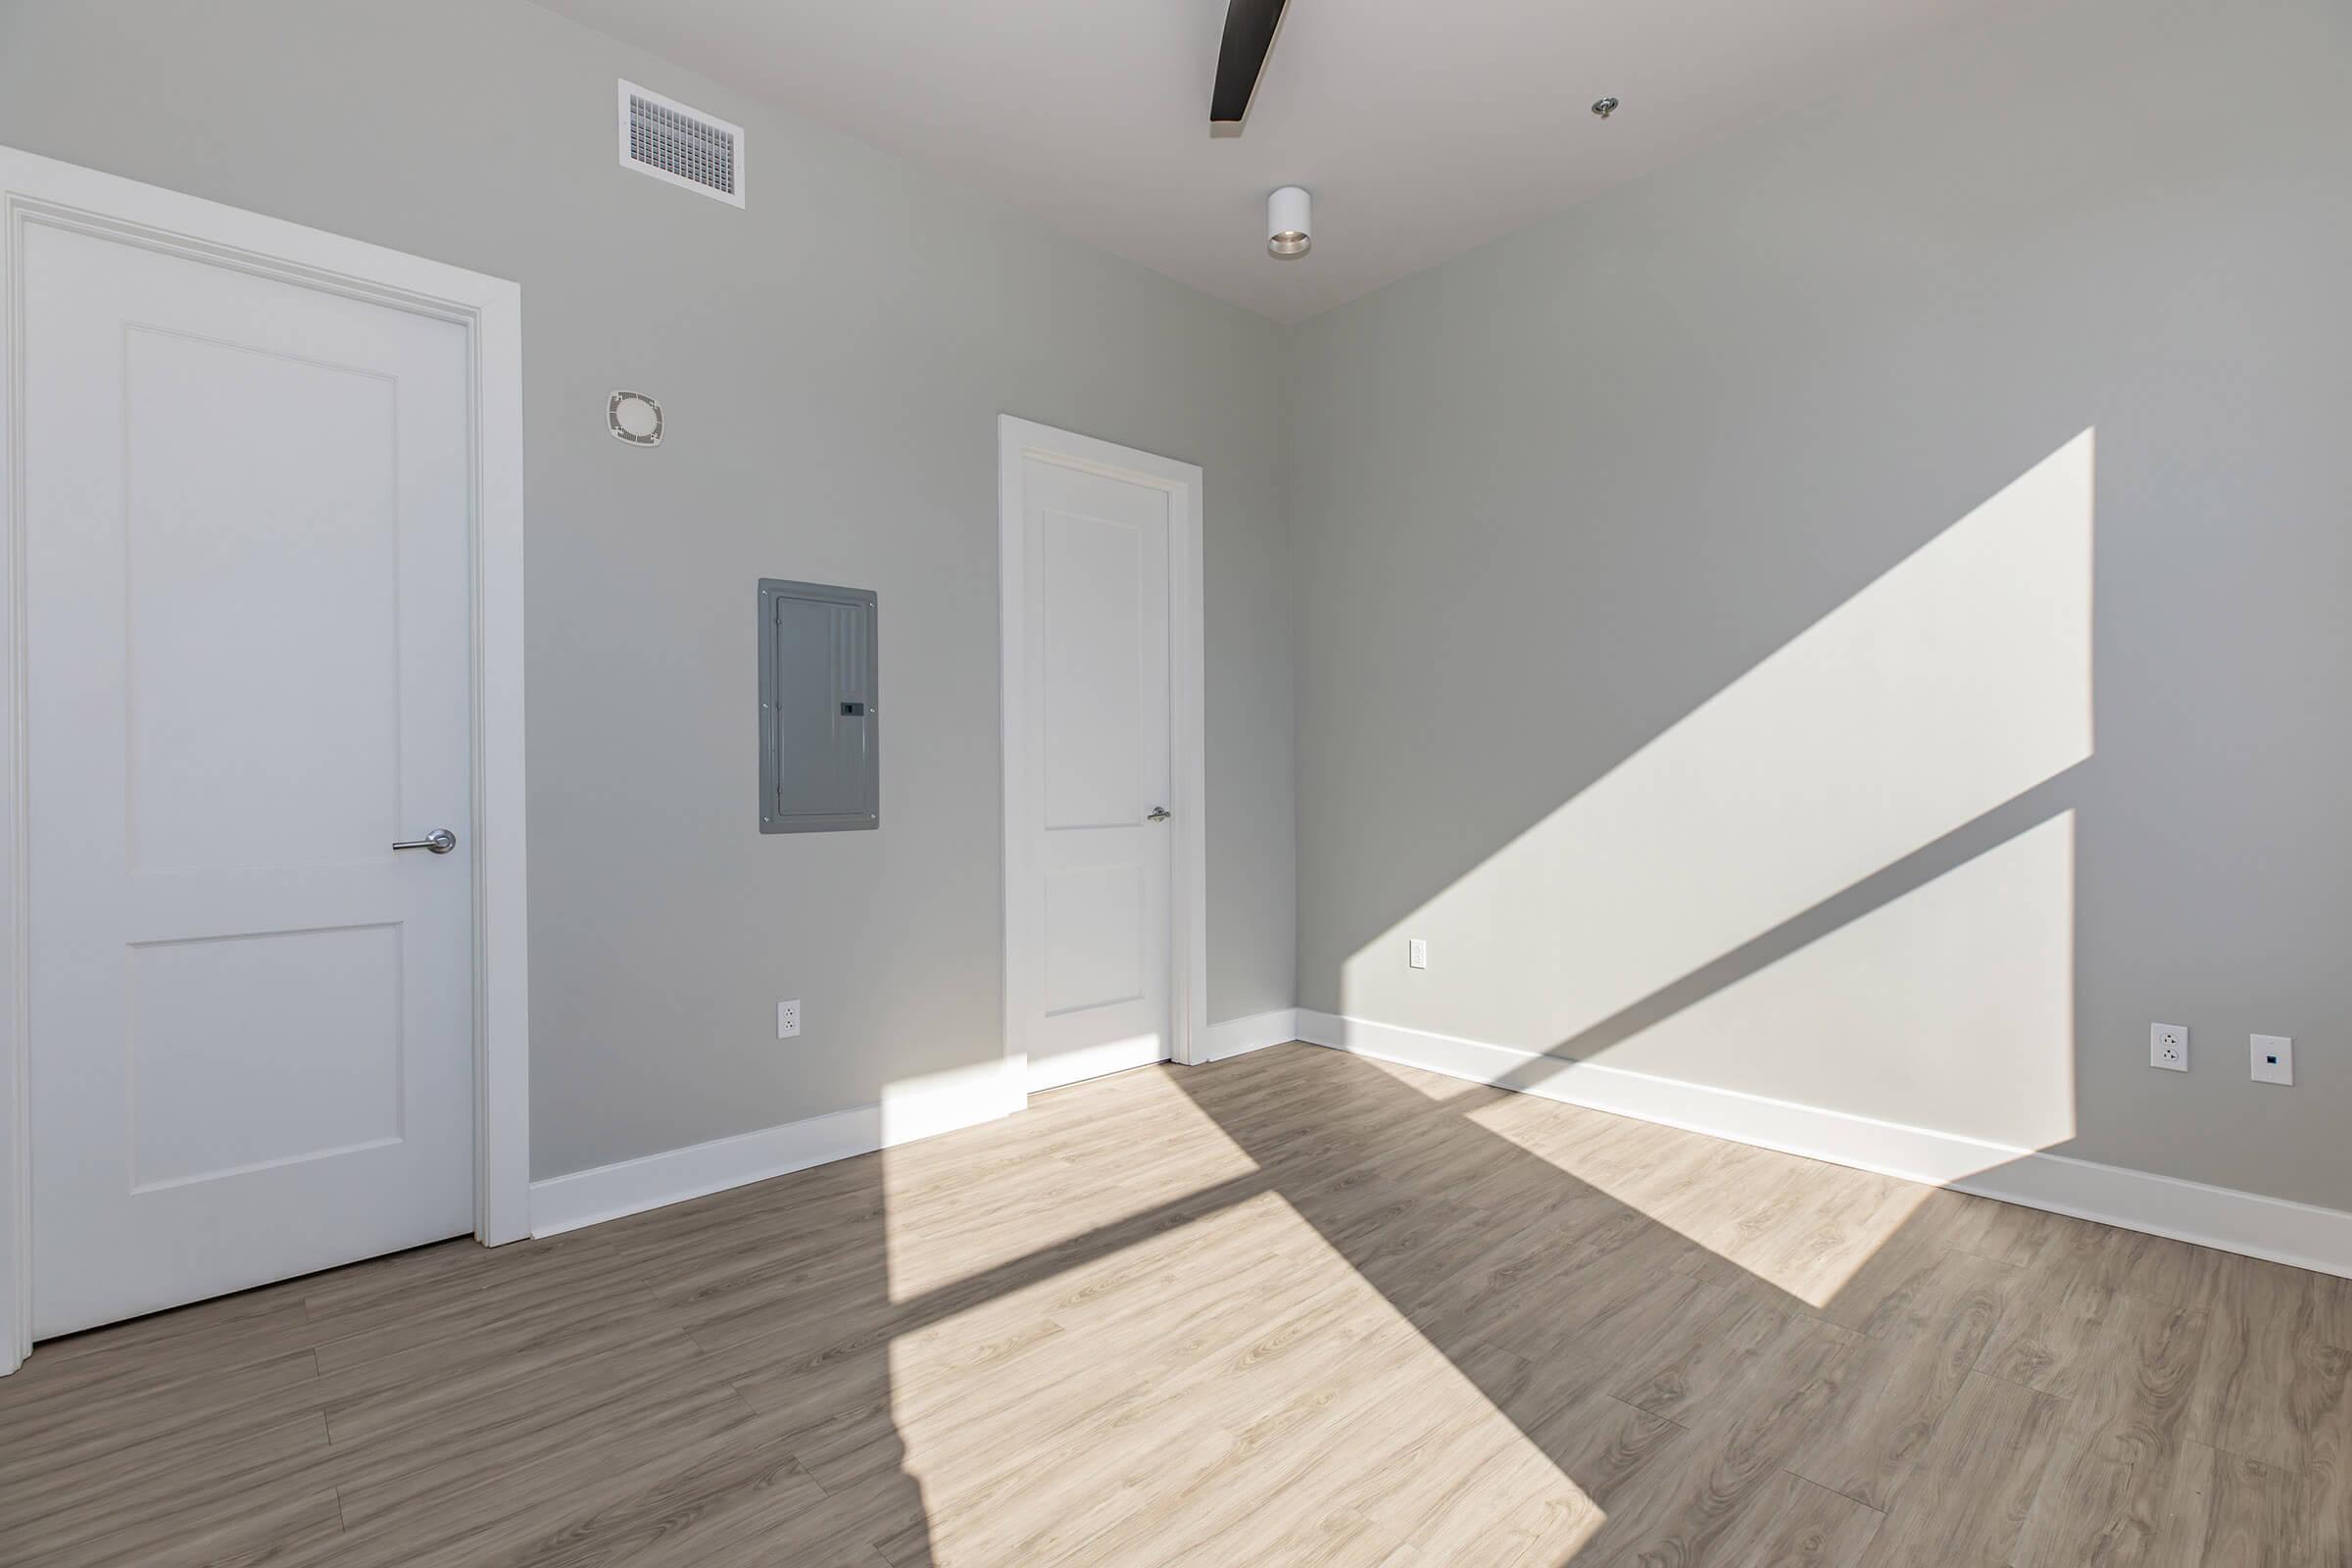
1248 33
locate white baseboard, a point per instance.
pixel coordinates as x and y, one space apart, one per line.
2274 1228
1257 1031
906 1114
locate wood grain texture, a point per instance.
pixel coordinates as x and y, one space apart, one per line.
1294 1308
1968 1498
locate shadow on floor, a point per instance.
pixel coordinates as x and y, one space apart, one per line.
1300 1307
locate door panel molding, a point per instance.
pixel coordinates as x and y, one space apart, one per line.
42 191
1021 440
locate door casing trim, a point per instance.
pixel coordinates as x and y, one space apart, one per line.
37 190
1188 881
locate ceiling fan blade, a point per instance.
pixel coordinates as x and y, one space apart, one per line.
1248 33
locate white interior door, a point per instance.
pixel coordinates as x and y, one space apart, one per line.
1097 704
247 582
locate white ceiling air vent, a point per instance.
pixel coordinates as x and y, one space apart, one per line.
663 137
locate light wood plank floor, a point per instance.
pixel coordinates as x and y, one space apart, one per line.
1294 1308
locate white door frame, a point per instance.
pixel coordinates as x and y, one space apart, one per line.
39 190
1188 880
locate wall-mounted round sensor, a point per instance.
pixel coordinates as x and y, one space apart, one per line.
635 419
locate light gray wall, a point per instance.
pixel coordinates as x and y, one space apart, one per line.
1562 499
1554 500
832 361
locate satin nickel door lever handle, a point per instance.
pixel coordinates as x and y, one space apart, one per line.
440 841
1159 813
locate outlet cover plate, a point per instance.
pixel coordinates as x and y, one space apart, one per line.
2168 1047
1416 954
2274 1059
788 1018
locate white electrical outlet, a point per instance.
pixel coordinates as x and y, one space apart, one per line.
2168 1047
2274 1059
1416 954
788 1018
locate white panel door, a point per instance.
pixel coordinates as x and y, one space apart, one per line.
247 638
1099 750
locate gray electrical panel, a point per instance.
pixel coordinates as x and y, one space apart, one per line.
821 738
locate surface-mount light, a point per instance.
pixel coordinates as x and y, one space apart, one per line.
1286 234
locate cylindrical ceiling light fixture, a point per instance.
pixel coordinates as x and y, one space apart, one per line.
1287 235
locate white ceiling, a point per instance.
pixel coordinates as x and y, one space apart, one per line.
1423 127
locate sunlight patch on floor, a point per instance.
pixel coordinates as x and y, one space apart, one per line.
1801 1227
1237 1392
1074 1192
